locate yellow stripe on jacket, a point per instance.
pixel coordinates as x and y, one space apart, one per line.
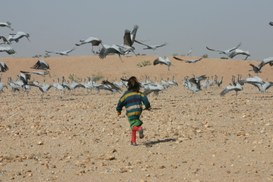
128 95
133 113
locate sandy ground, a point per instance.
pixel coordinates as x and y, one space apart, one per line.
77 136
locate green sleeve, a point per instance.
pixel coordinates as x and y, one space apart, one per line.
119 106
146 102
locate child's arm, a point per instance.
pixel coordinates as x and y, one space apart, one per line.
146 102
119 107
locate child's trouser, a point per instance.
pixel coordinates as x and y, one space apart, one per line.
134 130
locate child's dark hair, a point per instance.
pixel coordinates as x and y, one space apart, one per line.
133 84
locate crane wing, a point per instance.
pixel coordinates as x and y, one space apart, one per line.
157 61
127 38
236 47
70 50
161 45
177 58
50 52
216 50
133 34
141 43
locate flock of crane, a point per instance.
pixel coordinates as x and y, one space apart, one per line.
24 84
129 39
194 84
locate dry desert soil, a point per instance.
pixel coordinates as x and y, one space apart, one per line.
77 136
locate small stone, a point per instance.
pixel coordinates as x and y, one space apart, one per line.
111 158
162 167
123 170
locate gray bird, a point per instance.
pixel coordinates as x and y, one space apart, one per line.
252 79
42 73
15 86
73 85
62 53
237 52
152 88
59 85
234 86
7 49
113 49
24 77
90 40
189 60
163 60
17 36
258 83
151 47
226 52
6 24
130 36
256 69
2 86
266 61
217 81
197 81
5 40
237 87
41 65
3 67
105 84
189 85
44 87
232 52
264 86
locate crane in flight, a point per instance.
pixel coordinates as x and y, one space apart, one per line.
189 60
163 60
226 52
62 53
130 36
237 52
232 52
7 49
2 86
114 49
258 83
5 40
151 47
94 41
6 24
266 61
17 36
3 67
233 86
40 65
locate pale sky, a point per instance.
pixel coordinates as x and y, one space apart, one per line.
184 24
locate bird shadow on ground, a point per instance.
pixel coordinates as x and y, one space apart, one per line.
151 143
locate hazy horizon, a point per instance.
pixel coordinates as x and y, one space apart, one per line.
183 25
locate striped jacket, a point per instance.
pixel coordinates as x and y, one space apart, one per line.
133 103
